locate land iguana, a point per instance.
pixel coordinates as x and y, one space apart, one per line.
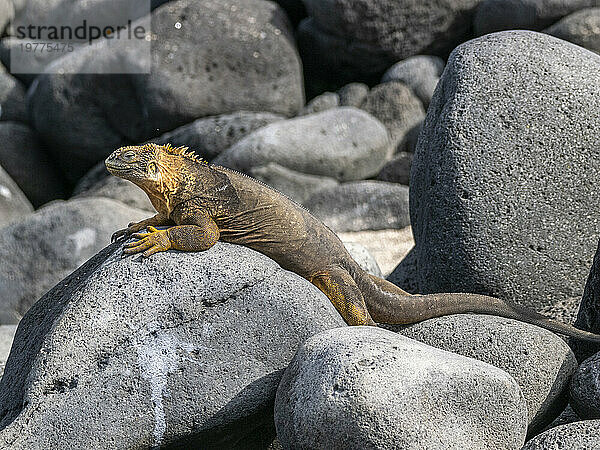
202 203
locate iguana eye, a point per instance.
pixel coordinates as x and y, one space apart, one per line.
128 155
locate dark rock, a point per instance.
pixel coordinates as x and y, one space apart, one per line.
397 170
29 164
420 73
361 205
504 200
12 97
585 389
588 316
397 107
498 15
357 40
13 203
40 249
405 274
567 416
364 387
342 143
297 186
353 94
412 138
540 361
295 10
581 28
209 136
244 59
323 102
180 349
573 436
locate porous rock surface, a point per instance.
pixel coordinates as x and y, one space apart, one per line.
540 361
572 436
42 248
172 350
342 143
364 387
501 202
361 205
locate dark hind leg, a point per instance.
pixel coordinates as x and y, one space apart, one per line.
340 288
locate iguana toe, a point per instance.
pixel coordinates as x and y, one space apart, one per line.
119 234
149 243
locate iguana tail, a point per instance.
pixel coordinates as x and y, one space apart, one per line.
389 304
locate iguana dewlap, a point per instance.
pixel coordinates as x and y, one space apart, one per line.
202 203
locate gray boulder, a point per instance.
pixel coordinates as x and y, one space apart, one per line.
572 436
29 164
7 334
421 73
120 190
210 136
13 203
244 59
364 387
388 247
7 12
564 310
353 94
180 349
39 250
396 106
355 39
581 28
397 170
342 143
361 205
585 388
498 15
540 361
65 12
364 259
12 95
297 186
323 102
500 201
37 62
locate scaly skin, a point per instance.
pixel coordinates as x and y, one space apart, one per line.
202 203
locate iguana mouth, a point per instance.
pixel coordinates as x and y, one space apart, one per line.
117 168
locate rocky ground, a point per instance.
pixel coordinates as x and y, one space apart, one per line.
451 144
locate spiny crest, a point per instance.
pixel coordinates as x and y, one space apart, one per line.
184 152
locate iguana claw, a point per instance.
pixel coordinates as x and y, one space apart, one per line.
120 234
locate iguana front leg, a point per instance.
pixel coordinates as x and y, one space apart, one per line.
154 221
200 236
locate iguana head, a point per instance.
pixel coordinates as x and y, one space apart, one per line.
158 169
